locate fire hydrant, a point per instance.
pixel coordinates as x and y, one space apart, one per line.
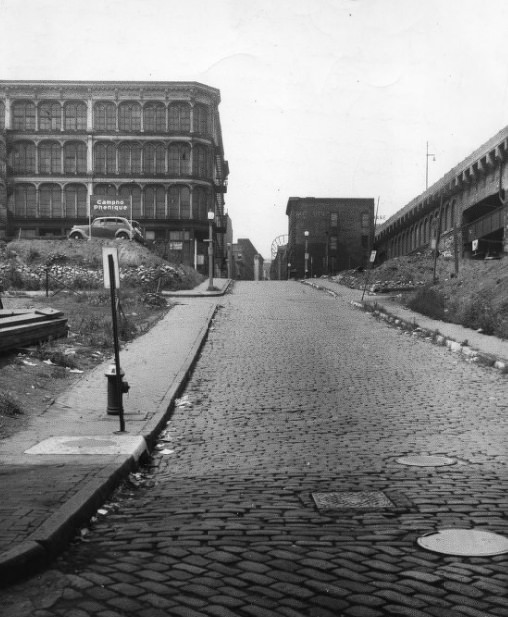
115 397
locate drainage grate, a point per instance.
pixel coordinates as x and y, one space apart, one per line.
351 499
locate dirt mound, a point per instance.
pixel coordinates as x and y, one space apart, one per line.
29 264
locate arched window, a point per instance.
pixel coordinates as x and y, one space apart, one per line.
200 162
23 157
425 231
2 116
154 199
104 117
129 117
75 201
179 117
179 202
23 116
154 117
200 203
105 159
452 216
50 157
50 116
154 159
132 191
129 158
50 201
25 204
179 159
75 116
200 119
75 158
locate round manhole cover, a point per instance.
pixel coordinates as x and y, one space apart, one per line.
464 542
426 461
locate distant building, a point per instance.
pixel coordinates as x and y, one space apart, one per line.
247 262
328 235
156 145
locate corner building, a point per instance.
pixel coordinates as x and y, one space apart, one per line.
157 143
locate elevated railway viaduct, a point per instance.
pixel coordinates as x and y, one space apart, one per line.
465 213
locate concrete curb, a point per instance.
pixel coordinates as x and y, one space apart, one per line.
53 536
473 355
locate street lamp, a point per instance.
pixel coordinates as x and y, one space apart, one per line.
211 216
306 234
427 166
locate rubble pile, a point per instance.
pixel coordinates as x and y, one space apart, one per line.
33 277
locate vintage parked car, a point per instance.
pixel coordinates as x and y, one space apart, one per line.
108 227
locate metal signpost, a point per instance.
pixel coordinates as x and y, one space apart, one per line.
112 281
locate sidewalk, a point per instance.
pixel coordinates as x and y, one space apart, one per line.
60 469
489 350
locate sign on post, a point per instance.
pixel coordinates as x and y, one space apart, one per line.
106 252
372 257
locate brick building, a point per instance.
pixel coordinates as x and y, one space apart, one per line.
156 144
247 262
335 234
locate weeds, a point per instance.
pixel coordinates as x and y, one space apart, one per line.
430 302
9 406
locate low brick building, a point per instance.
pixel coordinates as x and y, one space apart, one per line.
328 235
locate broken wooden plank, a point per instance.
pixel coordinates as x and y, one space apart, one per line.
31 333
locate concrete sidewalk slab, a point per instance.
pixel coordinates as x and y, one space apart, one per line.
63 466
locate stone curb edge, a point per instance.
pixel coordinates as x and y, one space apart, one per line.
473 355
52 537
435 337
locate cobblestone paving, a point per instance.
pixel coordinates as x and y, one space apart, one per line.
297 393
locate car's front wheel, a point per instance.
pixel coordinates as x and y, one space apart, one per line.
76 236
122 236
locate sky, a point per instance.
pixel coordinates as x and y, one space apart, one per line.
319 98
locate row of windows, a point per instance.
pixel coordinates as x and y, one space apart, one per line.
421 233
152 202
107 116
179 159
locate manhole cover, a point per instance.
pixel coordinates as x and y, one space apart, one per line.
426 461
351 499
464 542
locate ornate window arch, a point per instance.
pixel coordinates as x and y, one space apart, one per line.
200 202
75 116
154 198
179 202
50 116
50 157
23 116
132 191
200 161
50 201
75 201
23 157
105 158
75 157
154 159
179 159
201 119
129 117
2 116
25 201
129 158
179 117
154 117
104 116
106 190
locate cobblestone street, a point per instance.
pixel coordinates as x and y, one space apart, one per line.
299 405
